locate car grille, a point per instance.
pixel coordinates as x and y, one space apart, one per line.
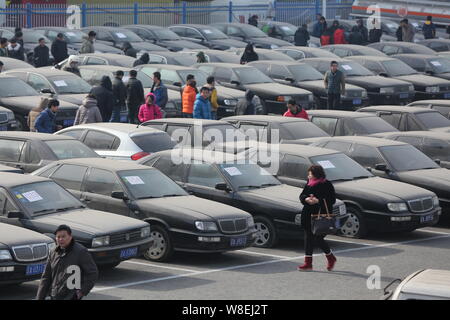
444 88
233 226
421 205
354 94
122 238
34 252
3 117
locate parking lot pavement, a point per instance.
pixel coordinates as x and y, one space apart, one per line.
256 273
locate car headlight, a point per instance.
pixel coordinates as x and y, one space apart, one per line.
387 90
364 94
100 242
5 255
230 102
273 46
206 226
435 201
283 98
51 246
433 89
397 206
411 88
250 222
145 232
10 116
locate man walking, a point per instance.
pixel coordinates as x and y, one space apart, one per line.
45 122
407 31
120 95
159 90
334 81
41 54
105 98
301 36
202 106
135 96
56 279
295 110
210 83
429 29
59 48
88 43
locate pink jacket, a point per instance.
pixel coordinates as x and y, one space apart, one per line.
149 112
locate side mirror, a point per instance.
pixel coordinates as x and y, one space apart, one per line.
15 215
438 161
429 72
177 84
381 167
119 195
383 74
237 83
223 187
290 80
46 90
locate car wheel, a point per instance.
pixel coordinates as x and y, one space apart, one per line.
108 266
355 226
162 248
21 123
266 234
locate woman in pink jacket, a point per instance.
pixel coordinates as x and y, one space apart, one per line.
149 111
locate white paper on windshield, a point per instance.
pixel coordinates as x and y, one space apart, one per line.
326 164
32 196
71 34
60 83
134 180
207 31
346 67
120 35
436 63
233 171
285 28
125 79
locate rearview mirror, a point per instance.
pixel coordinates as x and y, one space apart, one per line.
381 167
15 215
438 161
46 90
223 187
178 84
235 82
290 80
119 195
383 74
429 72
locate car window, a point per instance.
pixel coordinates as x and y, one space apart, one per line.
88 75
178 30
153 142
432 120
178 133
170 76
339 146
390 50
437 149
445 111
415 141
96 61
6 205
366 156
192 33
255 131
233 31
74 133
170 169
38 82
204 175
413 125
294 54
11 150
102 182
393 119
294 167
341 52
33 154
437 46
70 176
100 141
375 67
279 72
407 158
157 59
326 124
69 149
149 70
223 74
263 67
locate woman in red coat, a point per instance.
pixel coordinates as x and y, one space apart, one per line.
338 33
149 110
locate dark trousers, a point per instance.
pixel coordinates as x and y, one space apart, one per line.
311 239
133 113
115 114
334 101
187 115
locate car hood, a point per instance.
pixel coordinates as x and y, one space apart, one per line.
191 207
99 47
445 76
229 93
269 41
16 236
182 44
74 98
423 80
443 129
436 180
230 43
374 81
318 84
276 89
30 102
145 46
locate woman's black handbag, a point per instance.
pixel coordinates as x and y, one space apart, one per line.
324 223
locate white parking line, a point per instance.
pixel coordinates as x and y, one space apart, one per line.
261 254
158 266
432 231
191 274
350 242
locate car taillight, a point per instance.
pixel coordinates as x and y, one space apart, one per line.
139 155
280 99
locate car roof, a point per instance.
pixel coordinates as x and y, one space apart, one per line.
404 109
340 113
430 282
35 136
436 101
266 118
189 121
11 180
104 67
338 60
426 134
369 141
197 154
43 71
372 58
107 164
305 151
417 56
192 25
167 66
106 55
224 64
126 128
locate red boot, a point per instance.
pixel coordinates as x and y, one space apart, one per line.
307 265
331 261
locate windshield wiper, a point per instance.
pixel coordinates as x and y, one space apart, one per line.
172 195
360 177
256 187
270 184
342 179
69 208
45 211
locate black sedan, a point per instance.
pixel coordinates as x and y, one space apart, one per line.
371 202
16 95
411 118
250 34
438 45
29 151
443 106
265 54
380 90
207 36
220 177
397 161
163 37
300 53
347 50
397 47
274 96
23 253
306 77
112 59
7 120
429 64
180 222
425 86
41 205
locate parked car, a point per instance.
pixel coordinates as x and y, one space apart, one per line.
306 77
300 53
207 36
438 45
347 123
380 90
370 201
411 118
443 106
112 59
29 151
398 47
429 64
174 77
63 85
427 284
23 253
250 34
264 54
274 96
347 50
7 120
163 37
425 86
180 58
397 161
216 56
179 221
11 64
17 96
279 30
274 206
435 145
41 205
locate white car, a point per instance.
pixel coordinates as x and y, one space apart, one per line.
428 284
120 141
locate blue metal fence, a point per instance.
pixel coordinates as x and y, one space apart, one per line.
163 14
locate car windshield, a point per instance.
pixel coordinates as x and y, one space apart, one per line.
33 37
300 130
253 32
126 35
274 55
392 26
406 158
147 82
288 30
166 34
396 68
432 120
213 34
69 149
45 197
248 176
222 133
13 87
200 76
439 65
153 142
354 69
371 125
149 183
338 166
184 60
251 75
74 36
304 73
70 84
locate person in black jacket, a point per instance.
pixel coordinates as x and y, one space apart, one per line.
356 37
15 50
249 54
59 48
301 36
253 20
120 95
128 50
135 96
144 59
41 54
317 196
105 99
363 30
399 33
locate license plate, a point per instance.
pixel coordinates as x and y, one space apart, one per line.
128 253
404 95
238 242
68 123
446 95
427 218
3 128
357 101
35 269
123 118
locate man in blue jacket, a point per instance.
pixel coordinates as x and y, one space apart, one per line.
202 106
159 90
318 27
45 122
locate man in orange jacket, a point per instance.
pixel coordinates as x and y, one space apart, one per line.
188 96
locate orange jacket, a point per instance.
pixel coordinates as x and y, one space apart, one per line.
188 99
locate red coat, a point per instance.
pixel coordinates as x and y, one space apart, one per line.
301 114
339 37
147 112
